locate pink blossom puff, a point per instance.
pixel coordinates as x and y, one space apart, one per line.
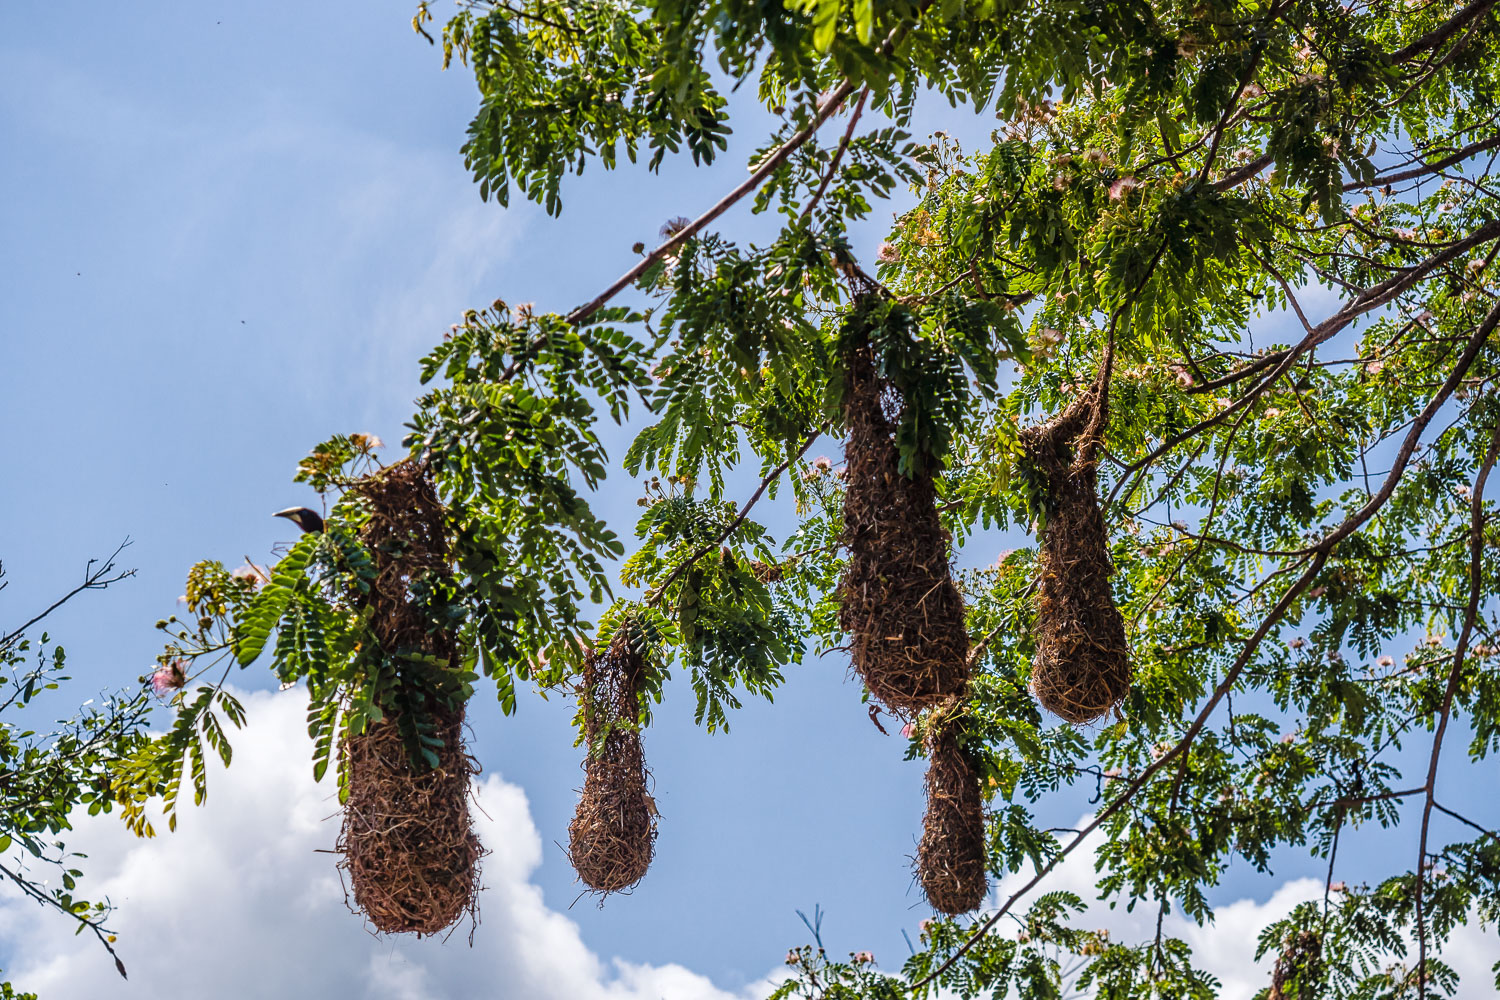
169 676
792 958
1122 187
863 958
907 730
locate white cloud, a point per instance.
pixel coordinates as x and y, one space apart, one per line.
238 904
1225 947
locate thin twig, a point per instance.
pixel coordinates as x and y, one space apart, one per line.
833 165
1455 675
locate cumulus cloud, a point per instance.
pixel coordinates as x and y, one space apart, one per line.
1225 947
239 904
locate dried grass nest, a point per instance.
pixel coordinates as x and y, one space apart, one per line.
897 600
1082 666
407 839
951 855
613 834
1299 968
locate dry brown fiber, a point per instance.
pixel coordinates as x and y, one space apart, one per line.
951 856
612 838
1082 666
407 838
908 639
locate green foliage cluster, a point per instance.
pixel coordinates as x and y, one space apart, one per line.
50 776
1302 540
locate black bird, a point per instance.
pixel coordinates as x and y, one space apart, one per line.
303 517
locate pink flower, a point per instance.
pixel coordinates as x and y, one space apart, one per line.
823 462
1386 661
926 925
1317 592
1113 772
863 958
1297 643
907 730
888 254
1122 187
169 676
792 958
1338 887
251 574
1288 737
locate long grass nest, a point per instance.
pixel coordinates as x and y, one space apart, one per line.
613 834
1299 972
407 840
897 599
1082 667
951 856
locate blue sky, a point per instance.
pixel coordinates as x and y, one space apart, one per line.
231 230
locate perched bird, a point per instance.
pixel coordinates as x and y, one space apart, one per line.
303 517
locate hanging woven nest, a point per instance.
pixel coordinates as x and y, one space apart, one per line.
407 837
1082 667
897 600
613 834
407 840
1299 973
951 856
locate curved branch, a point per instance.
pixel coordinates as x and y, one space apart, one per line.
1455 674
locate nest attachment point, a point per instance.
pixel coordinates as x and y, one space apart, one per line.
897 599
613 834
951 855
1082 667
408 840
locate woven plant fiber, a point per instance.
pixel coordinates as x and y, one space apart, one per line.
897 600
613 834
407 836
1082 666
951 855
407 839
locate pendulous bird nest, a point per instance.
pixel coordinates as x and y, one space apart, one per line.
951 856
1082 667
613 834
1299 972
897 600
407 838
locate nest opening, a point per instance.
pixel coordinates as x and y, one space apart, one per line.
613 834
407 839
897 601
951 855
1082 666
